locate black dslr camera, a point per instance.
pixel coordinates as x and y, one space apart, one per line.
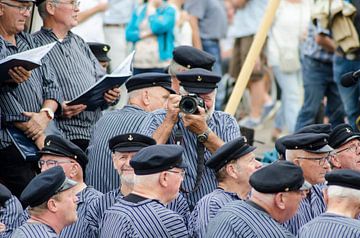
189 104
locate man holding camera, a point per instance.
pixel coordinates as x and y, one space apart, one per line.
191 121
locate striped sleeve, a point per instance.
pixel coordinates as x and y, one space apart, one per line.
10 216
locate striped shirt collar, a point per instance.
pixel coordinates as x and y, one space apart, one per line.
51 33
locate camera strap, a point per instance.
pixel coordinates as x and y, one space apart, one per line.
178 135
200 149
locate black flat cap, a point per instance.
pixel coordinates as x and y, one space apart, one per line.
280 147
59 146
147 80
231 150
191 57
342 134
45 185
100 51
280 176
315 128
344 177
198 80
5 194
157 158
130 142
311 142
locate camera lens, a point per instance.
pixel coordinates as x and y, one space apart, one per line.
188 105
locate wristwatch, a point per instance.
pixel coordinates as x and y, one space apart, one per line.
49 112
203 137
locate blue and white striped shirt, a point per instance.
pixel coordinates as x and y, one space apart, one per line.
79 228
147 218
10 216
76 69
331 226
120 121
206 209
310 207
97 209
224 126
30 95
239 219
34 230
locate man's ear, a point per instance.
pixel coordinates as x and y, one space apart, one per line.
50 7
280 201
51 204
164 179
146 97
335 161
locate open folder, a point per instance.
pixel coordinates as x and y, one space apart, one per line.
94 96
29 60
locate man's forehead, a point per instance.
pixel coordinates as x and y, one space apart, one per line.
304 153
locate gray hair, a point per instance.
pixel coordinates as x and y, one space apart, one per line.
175 68
146 180
335 191
42 8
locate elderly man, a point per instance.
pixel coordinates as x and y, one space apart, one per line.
275 197
185 58
52 205
311 152
76 67
59 151
343 207
147 92
201 133
347 147
29 106
233 163
123 148
159 172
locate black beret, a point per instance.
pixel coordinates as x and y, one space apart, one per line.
157 158
280 147
231 150
45 185
100 51
130 142
315 128
147 80
198 80
280 176
5 194
311 142
59 146
344 177
191 57
342 134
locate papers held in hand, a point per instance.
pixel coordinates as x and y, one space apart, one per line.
29 59
94 96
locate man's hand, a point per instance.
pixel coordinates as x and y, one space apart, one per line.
173 108
112 94
70 111
2 227
196 123
35 127
19 74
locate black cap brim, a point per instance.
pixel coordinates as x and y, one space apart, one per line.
172 91
103 59
355 136
46 152
198 90
128 149
324 149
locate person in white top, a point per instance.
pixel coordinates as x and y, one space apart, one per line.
285 37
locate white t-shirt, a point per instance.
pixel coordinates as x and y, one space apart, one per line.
91 30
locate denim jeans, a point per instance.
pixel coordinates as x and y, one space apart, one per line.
291 96
349 96
319 82
213 47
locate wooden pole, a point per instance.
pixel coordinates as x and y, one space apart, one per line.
253 54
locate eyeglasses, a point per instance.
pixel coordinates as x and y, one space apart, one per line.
22 9
351 149
182 172
322 160
52 163
75 4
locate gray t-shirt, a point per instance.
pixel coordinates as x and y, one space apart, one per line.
211 15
